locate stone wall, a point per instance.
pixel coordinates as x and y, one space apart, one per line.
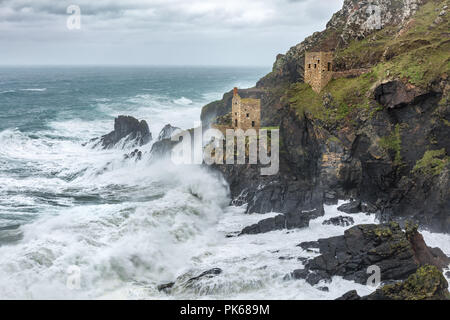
246 113
318 69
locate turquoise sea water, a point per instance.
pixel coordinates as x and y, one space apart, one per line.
123 227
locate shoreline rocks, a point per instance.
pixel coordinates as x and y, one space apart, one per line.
129 129
427 283
397 253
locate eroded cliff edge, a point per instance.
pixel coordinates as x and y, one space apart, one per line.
379 132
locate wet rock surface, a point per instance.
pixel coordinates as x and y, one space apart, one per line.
167 132
397 253
126 127
340 221
352 207
427 283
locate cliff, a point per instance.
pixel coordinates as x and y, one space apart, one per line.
380 135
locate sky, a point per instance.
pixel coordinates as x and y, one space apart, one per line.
156 32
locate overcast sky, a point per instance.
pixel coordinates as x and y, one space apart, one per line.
158 32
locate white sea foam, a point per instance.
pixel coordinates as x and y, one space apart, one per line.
183 101
130 226
34 89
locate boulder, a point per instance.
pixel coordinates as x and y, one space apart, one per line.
427 283
350 295
126 127
279 222
351 207
167 131
340 221
398 254
207 274
136 154
166 287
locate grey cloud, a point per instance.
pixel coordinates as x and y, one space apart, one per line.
151 28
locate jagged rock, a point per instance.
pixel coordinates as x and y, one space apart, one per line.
398 254
349 23
135 154
447 274
207 274
395 93
427 283
166 287
312 278
309 245
167 131
350 295
283 221
340 221
297 274
324 289
369 208
136 132
330 197
352 207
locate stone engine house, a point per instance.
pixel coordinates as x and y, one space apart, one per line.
318 69
245 113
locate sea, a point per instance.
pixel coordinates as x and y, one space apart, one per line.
78 222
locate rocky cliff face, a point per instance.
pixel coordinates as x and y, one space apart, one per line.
356 20
127 130
381 136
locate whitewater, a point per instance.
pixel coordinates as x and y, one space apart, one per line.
130 226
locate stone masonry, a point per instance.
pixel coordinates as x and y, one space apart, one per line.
246 113
318 69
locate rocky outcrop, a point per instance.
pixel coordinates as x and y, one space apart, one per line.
340 221
351 207
290 220
427 283
397 253
356 20
129 130
395 93
167 132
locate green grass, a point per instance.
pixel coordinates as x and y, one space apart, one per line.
418 56
432 162
393 142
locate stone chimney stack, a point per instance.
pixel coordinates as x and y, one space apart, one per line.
235 91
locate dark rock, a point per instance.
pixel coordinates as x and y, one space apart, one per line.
309 245
312 278
279 222
351 295
299 274
135 132
207 274
369 208
136 154
285 258
331 197
427 283
315 277
447 274
166 287
352 207
394 94
324 289
398 254
340 221
166 132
